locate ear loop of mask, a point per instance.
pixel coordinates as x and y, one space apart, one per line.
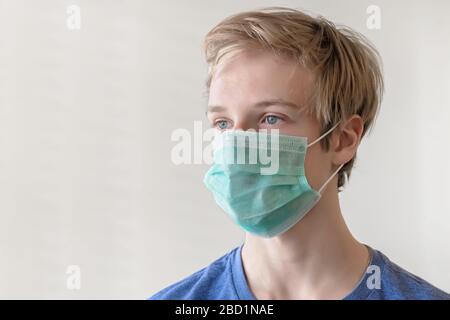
340 167
323 135
329 179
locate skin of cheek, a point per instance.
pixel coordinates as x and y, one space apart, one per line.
317 160
316 166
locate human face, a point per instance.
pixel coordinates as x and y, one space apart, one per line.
259 90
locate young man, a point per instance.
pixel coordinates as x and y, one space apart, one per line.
279 68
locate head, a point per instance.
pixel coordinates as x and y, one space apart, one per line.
279 68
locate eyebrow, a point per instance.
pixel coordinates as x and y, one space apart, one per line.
260 104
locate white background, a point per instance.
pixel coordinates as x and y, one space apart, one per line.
85 123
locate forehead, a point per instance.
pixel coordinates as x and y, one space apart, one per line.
254 75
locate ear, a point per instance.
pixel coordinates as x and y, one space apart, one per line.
346 140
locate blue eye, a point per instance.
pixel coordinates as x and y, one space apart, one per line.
222 124
271 119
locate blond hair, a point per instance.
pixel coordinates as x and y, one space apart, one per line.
347 68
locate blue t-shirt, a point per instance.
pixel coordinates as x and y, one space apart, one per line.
224 279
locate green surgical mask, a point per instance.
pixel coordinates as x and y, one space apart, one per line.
245 186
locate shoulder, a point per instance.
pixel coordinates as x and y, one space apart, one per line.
398 283
207 283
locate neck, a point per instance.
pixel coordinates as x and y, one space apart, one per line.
318 258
